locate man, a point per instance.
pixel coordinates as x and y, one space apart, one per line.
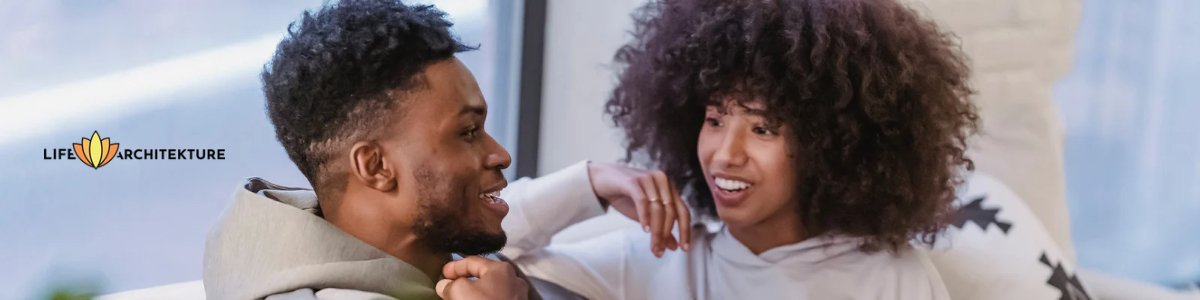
370 103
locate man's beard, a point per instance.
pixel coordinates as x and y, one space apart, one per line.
443 222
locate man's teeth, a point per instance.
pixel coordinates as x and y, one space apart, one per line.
491 197
730 184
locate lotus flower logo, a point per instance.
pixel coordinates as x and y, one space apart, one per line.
95 152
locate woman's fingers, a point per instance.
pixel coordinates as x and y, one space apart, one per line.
654 202
640 204
668 201
685 219
658 209
475 277
442 288
470 266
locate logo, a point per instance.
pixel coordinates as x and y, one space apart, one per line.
96 152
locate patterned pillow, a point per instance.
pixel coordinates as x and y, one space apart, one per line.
996 248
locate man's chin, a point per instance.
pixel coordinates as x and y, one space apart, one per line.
480 244
452 239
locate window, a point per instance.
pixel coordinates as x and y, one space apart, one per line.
1132 150
166 74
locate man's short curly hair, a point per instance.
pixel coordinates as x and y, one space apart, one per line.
876 100
338 73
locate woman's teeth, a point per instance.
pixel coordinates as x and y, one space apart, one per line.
492 197
730 184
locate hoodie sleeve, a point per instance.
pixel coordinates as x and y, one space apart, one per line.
540 208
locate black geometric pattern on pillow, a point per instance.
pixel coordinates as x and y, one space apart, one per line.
975 213
1066 283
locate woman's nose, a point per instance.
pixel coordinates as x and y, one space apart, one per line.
732 149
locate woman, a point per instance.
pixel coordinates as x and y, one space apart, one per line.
824 135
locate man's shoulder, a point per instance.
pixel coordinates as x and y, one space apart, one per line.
329 294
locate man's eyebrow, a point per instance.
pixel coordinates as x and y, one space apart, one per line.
474 109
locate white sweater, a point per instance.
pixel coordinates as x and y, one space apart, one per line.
619 265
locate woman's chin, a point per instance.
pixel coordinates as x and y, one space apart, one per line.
735 217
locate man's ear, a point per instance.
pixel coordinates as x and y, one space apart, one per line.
368 164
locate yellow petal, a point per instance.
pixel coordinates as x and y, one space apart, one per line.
96 153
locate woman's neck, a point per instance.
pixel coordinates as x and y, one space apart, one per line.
779 229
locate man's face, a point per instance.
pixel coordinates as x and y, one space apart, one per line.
449 163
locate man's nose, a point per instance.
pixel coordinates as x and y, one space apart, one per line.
497 157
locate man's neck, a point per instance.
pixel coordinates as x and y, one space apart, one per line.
415 253
398 241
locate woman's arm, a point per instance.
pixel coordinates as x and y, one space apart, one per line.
540 208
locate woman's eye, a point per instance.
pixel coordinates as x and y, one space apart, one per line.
712 121
760 130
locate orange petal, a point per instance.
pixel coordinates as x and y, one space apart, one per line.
80 154
112 152
103 152
87 155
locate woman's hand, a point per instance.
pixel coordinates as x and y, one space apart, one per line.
647 197
475 277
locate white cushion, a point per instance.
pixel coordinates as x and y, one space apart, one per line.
997 249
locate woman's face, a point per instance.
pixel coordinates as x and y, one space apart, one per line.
747 165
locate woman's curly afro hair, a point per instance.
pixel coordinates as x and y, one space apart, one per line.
876 100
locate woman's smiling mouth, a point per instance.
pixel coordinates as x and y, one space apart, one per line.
729 192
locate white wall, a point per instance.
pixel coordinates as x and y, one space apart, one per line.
581 38
578 74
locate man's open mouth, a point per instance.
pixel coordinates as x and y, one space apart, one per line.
491 197
493 201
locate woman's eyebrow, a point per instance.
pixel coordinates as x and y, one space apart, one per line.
754 111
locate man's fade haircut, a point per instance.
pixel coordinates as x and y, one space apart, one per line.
338 72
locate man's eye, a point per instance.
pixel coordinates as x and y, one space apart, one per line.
470 133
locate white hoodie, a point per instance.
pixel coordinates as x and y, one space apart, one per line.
619 265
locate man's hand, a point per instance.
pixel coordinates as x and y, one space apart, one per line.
647 197
475 277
